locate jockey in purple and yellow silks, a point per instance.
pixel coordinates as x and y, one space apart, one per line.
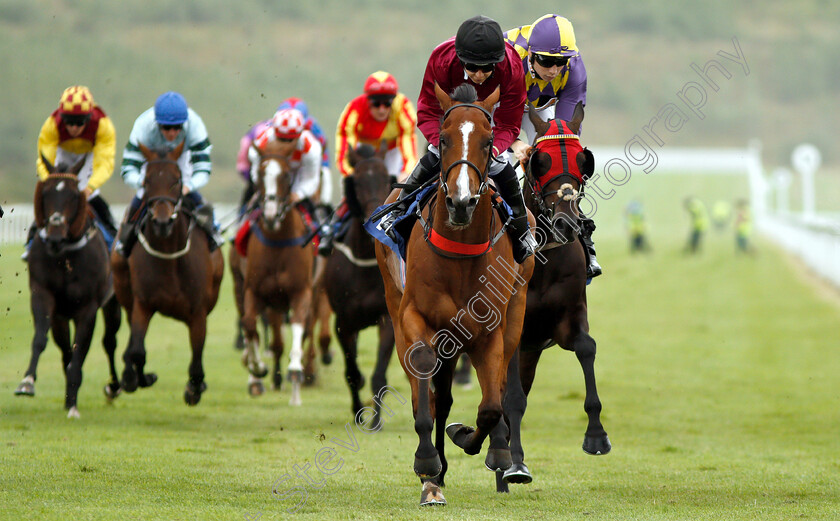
555 81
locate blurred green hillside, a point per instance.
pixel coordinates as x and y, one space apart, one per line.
234 62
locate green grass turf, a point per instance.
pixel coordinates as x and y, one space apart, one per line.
717 373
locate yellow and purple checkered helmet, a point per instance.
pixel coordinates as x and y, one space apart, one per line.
552 35
76 100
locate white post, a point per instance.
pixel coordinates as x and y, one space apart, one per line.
806 159
782 178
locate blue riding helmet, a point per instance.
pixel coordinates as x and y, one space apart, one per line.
171 109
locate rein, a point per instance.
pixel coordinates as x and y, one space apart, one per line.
361 263
159 254
177 203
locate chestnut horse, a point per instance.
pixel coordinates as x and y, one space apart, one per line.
70 279
463 293
556 311
276 276
352 280
170 270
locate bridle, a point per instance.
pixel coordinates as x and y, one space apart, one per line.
482 173
540 191
283 205
175 202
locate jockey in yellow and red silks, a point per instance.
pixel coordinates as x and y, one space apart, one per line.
79 129
380 114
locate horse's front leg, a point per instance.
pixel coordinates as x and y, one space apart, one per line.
274 320
443 404
196 385
251 356
85 321
521 371
420 363
348 340
112 314
300 306
42 305
595 441
490 367
135 355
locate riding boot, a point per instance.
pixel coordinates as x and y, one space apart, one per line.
587 226
30 236
428 166
523 242
127 236
327 233
204 219
103 215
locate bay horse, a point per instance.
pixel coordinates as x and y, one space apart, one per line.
69 279
352 280
463 293
556 310
169 270
276 276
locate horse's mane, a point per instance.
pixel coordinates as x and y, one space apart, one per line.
464 93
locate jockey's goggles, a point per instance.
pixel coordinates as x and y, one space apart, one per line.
475 67
75 120
550 61
171 127
380 101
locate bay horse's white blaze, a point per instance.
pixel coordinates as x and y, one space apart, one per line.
464 173
271 171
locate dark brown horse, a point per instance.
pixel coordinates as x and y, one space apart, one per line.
463 293
170 270
352 280
556 311
276 276
70 279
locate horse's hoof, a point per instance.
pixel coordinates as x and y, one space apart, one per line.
427 468
111 390
497 459
261 371
192 395
130 381
326 358
25 389
148 380
239 342
431 495
459 433
277 381
517 473
309 379
73 413
256 388
596 445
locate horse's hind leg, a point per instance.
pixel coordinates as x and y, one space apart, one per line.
60 328
85 322
112 314
521 371
348 340
135 355
276 347
379 381
595 441
196 385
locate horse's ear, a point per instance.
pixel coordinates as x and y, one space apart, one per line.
50 167
176 153
352 156
443 98
491 100
78 166
383 150
586 163
577 118
540 126
147 153
38 204
77 226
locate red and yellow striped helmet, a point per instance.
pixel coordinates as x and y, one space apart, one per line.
76 100
380 83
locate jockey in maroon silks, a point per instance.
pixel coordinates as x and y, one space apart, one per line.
478 56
